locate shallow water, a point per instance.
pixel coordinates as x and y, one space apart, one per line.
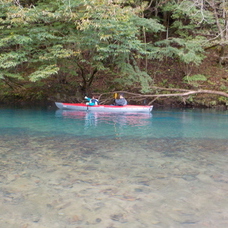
67 169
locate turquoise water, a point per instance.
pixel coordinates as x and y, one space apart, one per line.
160 124
64 169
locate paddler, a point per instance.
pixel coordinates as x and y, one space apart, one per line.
91 101
121 101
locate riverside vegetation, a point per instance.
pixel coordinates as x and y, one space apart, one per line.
161 52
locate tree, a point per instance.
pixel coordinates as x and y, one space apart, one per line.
73 42
203 20
94 36
219 33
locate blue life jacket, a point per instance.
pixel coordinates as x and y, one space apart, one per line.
95 101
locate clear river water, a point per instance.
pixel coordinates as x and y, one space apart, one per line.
71 169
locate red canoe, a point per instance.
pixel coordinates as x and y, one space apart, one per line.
104 108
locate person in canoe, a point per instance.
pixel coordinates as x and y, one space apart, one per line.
121 101
91 101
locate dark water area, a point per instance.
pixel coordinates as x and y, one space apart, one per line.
63 169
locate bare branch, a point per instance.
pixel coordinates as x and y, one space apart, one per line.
180 93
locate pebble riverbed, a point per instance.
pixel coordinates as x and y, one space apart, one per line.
73 182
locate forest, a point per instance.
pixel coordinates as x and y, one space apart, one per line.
162 52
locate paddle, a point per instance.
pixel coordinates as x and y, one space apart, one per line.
115 97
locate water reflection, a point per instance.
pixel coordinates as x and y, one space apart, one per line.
92 118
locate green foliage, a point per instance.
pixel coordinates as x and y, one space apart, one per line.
5 73
133 77
12 59
196 77
188 14
191 18
56 52
77 39
223 100
14 39
186 50
224 88
94 34
43 72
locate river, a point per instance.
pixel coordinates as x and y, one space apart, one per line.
66 169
